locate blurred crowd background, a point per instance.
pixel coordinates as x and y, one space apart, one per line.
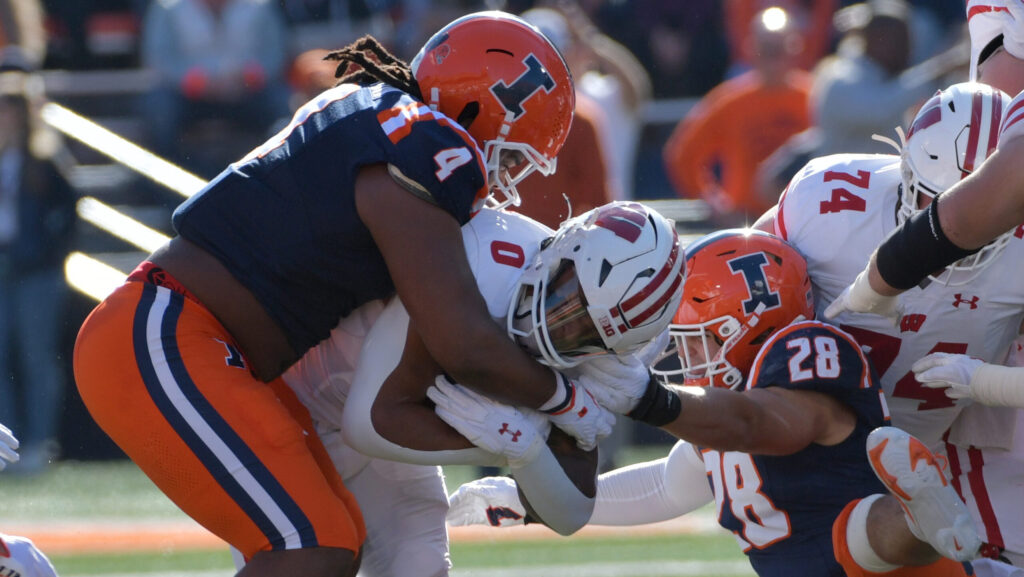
716 102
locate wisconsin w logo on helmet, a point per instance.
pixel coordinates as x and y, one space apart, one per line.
625 220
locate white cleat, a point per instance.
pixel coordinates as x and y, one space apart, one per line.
913 475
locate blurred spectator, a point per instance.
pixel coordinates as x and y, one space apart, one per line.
214 59
682 44
21 31
37 218
714 152
610 77
811 19
309 75
317 24
581 181
401 25
867 87
96 34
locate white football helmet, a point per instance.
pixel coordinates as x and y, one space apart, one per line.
952 134
609 281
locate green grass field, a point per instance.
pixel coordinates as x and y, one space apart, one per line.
86 498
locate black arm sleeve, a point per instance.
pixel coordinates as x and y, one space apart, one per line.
916 249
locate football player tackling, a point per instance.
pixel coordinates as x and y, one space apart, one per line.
360 198
588 295
775 417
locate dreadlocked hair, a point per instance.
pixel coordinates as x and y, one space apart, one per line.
366 62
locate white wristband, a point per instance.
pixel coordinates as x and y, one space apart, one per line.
998 386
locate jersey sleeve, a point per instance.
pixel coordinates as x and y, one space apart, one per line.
434 157
1013 124
815 356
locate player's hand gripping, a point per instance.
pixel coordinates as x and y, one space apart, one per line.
859 297
948 371
8 447
488 424
580 415
490 501
617 382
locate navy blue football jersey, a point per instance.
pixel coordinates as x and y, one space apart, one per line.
781 508
283 219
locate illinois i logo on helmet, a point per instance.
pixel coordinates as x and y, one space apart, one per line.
507 84
533 79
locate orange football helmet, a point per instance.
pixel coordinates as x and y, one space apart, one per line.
742 285
503 80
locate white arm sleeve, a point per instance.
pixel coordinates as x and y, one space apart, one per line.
552 495
998 386
653 491
379 357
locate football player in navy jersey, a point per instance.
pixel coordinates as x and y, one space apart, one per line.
775 413
359 198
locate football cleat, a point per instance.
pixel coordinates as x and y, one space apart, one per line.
934 511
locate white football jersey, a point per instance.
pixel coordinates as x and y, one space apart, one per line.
498 244
1013 124
836 211
984 23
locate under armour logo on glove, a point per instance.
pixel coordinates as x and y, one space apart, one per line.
515 434
495 515
474 416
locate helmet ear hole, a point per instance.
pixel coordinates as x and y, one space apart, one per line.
468 114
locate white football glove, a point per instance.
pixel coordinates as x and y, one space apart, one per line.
490 501
8 447
617 382
488 424
859 297
1013 28
952 372
22 557
582 417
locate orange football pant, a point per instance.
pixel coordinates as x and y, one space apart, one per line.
165 381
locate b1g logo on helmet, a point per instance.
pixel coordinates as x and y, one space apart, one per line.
512 96
751 266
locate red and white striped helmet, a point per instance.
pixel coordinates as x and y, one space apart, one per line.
609 281
952 134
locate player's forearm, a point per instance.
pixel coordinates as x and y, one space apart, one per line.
426 256
999 386
717 419
987 203
653 491
413 436
552 494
